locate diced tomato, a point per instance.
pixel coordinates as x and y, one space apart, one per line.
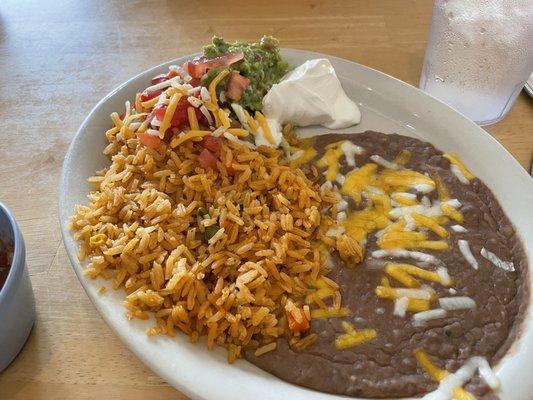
212 143
180 119
149 140
207 159
163 77
159 112
158 79
172 73
194 82
200 65
298 327
202 120
188 66
145 96
237 84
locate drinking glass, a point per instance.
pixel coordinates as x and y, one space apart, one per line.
479 55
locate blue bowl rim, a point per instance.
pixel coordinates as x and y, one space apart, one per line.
16 268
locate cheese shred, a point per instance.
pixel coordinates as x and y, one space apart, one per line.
213 86
193 121
169 113
264 125
188 136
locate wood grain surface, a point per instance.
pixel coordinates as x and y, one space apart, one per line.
59 57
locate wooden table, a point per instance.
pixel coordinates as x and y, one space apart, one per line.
58 59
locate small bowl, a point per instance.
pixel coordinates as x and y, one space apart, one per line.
17 305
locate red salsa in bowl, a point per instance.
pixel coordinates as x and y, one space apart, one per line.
6 257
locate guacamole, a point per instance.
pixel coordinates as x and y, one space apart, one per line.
262 65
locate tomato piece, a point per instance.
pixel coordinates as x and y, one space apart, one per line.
212 143
163 77
237 84
298 327
149 140
194 82
159 112
145 96
207 160
200 65
202 120
180 119
172 74
158 79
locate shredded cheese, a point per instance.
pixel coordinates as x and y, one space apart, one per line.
204 95
356 180
464 248
384 163
459 175
458 228
306 156
445 278
194 101
251 122
169 113
403 158
417 305
395 271
406 243
402 253
353 337
162 85
207 115
422 317
404 198
350 150
241 116
438 374
218 132
400 306
395 293
454 160
213 86
150 103
264 126
330 313
420 273
451 384
238 132
116 119
457 303
451 212
193 121
494 259
188 136
400 180
224 118
429 223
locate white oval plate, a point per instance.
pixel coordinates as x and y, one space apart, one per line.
387 105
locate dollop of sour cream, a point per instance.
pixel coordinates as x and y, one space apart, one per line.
310 94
